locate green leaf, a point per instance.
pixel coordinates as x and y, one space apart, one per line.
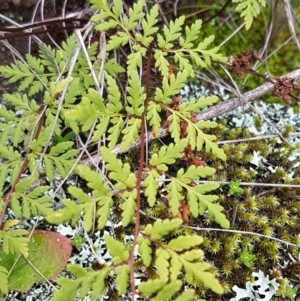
145 250
149 28
167 155
153 116
115 41
193 255
116 249
94 180
131 133
196 272
113 68
3 280
71 212
247 258
88 206
33 202
84 282
150 184
234 187
170 34
161 62
122 279
162 263
175 195
129 206
191 34
186 296
15 242
175 267
249 9
135 14
134 60
162 227
205 202
194 173
187 242
120 172
136 95
150 287
168 291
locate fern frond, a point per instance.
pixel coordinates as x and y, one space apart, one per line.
186 296
15 124
15 241
62 157
100 190
149 28
191 34
150 184
162 263
161 63
169 261
116 249
195 136
162 227
249 9
196 106
136 95
119 172
135 14
31 203
167 155
129 206
150 287
196 272
145 250
121 39
22 72
70 212
85 283
153 110
122 279
187 242
170 34
131 133
198 202
170 86
94 180
168 291
113 68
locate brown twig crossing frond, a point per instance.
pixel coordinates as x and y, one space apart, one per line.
211 112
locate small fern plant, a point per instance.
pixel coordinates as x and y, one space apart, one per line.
113 104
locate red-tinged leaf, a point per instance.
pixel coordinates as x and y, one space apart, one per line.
48 253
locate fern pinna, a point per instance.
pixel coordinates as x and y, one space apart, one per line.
37 136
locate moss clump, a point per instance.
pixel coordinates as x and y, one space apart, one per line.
270 211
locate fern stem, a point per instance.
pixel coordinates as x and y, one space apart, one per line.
139 177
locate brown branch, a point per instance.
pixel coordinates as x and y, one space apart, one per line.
139 177
247 97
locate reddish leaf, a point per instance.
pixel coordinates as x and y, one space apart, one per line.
48 253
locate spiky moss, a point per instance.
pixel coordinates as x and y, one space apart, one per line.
265 210
271 211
